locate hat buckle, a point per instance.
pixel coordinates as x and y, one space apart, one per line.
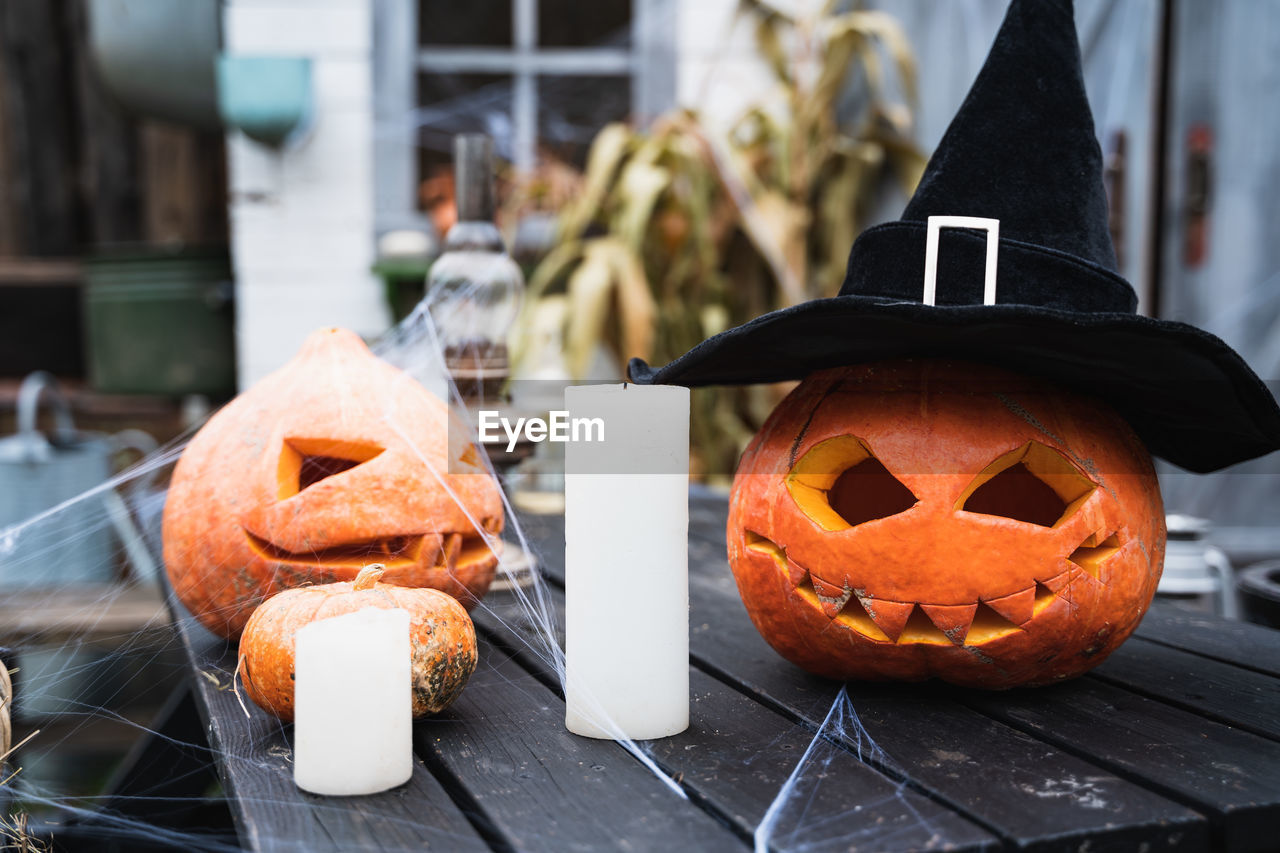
933 231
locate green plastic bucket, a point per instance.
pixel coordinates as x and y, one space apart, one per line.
160 323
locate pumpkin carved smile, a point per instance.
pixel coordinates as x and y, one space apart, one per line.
903 622
922 519
452 551
317 464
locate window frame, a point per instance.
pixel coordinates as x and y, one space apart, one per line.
649 61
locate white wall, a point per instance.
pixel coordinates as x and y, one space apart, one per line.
302 219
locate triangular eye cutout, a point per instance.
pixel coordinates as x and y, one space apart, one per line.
1016 493
307 461
839 484
868 491
1034 484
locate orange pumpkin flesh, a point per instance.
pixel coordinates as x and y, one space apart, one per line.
919 519
442 639
336 460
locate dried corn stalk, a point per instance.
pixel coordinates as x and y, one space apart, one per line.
678 232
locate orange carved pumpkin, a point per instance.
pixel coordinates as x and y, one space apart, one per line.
442 640
335 460
918 519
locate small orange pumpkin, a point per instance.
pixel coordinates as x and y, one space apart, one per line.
442 640
918 519
335 460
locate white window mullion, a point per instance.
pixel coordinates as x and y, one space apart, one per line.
466 60
653 39
561 62
525 120
525 97
524 25
395 139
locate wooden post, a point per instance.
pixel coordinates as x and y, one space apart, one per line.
34 44
108 164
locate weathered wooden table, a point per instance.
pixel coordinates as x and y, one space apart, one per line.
1172 744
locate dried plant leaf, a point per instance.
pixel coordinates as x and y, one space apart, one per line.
908 162
639 185
842 46
589 291
839 210
770 22
885 29
607 152
553 267
636 307
715 319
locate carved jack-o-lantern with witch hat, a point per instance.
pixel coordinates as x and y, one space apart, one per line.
961 485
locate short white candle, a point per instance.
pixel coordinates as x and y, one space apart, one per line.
353 714
627 563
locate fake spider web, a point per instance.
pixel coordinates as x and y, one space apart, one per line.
80 680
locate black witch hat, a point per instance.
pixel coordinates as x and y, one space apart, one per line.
1038 292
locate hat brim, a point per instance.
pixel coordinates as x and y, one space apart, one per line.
1188 395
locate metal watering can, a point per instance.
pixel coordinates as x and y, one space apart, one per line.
52 533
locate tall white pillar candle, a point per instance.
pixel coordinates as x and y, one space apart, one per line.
627 561
353 703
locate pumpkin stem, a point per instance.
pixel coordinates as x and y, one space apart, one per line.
368 576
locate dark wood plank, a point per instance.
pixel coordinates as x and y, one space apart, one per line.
40 123
1034 795
1210 688
38 272
737 755
254 757
85 612
167 771
184 183
126 838
1232 776
542 788
708 515
108 148
156 799
10 213
1241 643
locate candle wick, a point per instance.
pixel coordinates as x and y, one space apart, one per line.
624 386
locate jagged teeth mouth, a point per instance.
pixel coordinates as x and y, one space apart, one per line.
904 622
450 551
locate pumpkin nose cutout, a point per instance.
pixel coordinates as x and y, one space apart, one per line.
1090 556
307 461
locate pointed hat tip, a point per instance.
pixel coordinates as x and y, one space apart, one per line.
1021 148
